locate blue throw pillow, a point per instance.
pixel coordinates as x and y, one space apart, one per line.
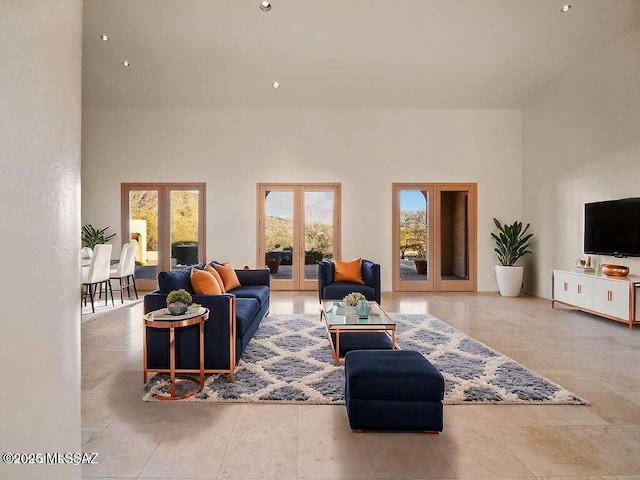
169 281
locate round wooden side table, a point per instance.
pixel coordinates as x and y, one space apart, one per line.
163 319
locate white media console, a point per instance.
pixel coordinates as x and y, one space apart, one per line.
607 296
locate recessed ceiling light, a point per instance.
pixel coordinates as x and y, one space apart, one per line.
265 6
565 8
126 63
275 84
104 38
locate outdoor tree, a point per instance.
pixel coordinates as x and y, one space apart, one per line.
278 231
413 232
319 237
143 205
184 217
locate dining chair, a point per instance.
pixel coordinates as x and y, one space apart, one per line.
125 269
85 256
98 274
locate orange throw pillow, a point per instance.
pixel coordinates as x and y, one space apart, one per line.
203 283
229 277
214 272
349 270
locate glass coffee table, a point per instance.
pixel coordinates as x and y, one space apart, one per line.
377 331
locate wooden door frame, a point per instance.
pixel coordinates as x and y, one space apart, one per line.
261 189
469 285
164 221
298 281
435 282
335 188
413 285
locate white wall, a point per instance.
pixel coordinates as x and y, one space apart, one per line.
581 143
40 94
366 150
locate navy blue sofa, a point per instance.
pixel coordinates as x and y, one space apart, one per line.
233 319
329 289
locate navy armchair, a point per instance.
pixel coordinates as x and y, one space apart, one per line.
329 289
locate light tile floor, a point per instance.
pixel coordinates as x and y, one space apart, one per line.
596 358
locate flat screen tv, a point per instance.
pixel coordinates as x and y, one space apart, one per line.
612 227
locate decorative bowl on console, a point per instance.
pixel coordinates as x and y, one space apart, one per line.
177 308
615 270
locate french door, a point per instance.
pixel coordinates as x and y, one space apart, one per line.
167 221
434 236
298 225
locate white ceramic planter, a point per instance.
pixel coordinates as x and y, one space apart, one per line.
509 280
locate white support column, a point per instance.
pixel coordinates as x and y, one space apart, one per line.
40 128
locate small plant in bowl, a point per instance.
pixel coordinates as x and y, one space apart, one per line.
178 301
353 298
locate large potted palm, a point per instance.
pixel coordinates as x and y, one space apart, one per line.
512 243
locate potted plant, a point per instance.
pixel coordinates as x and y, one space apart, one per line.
352 299
178 301
420 261
273 261
512 243
92 237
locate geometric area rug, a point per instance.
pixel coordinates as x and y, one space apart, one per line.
289 360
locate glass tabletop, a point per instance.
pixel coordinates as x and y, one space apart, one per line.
336 314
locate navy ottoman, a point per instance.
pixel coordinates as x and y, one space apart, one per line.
392 390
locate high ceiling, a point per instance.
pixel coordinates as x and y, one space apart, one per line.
338 53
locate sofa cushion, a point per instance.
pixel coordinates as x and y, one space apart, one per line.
214 272
349 270
229 277
204 283
260 292
246 310
175 280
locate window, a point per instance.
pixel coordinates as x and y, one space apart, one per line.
167 220
434 238
297 227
